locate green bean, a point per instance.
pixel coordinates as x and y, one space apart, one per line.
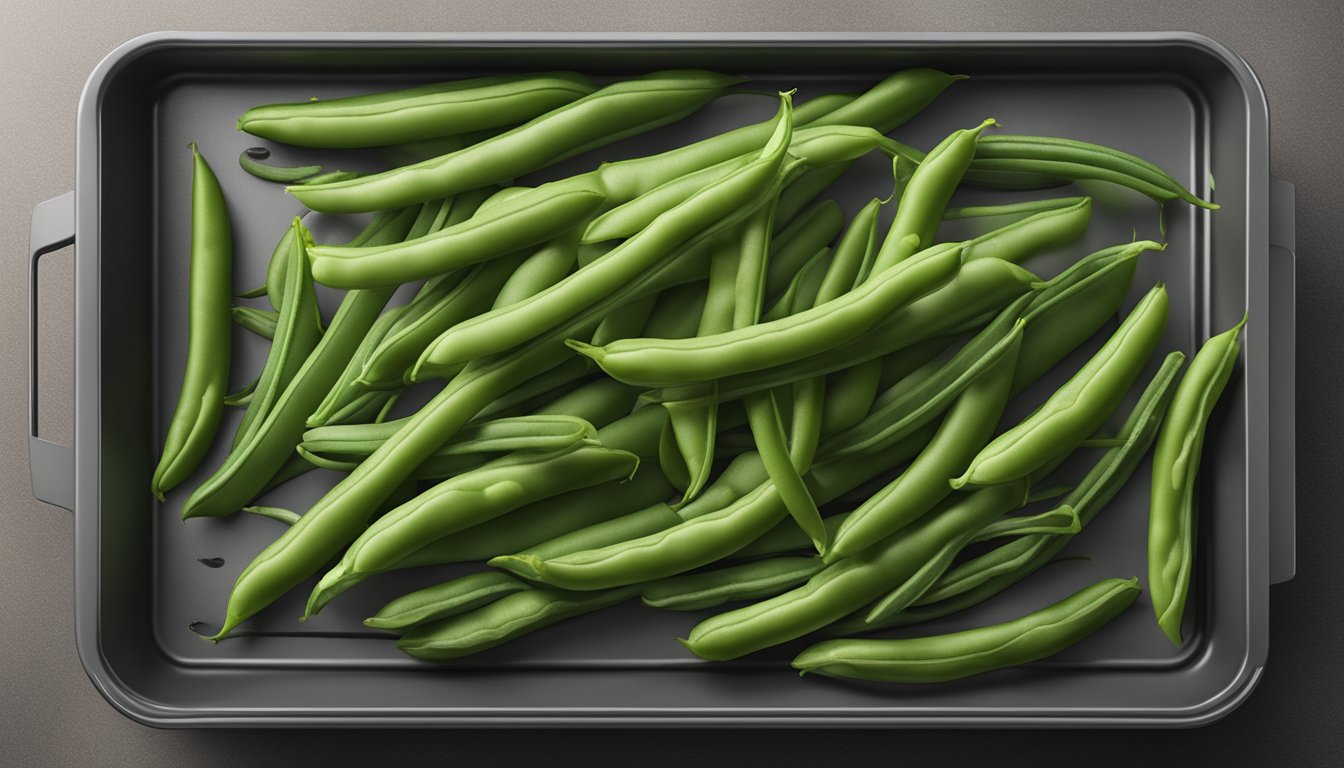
440 601
259 321
969 424
581 511
1176 457
748 581
344 394
343 447
604 116
298 331
263 454
415 114
701 539
924 198
1077 409
205 381
251 158
675 314
1033 234
980 578
770 344
466 500
849 583
503 620
294 466
470 242
1070 159
980 286
950 657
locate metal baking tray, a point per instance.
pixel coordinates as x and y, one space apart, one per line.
1181 100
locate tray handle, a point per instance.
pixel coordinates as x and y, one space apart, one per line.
1282 381
51 465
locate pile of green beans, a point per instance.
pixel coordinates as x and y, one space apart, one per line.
686 378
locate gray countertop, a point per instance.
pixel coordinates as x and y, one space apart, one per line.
51 715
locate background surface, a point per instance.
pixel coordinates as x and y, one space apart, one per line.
51 715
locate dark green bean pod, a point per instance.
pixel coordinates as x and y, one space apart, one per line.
848 584
205 380
440 601
503 620
1171 517
1060 520
255 460
415 114
1025 208
612 113
748 581
950 657
1079 408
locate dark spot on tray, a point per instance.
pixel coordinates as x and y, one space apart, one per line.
211 562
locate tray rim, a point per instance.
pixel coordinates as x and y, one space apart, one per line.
87 617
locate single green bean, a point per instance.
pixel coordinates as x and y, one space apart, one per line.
925 197
205 380
950 657
1171 519
442 600
415 114
1076 410
748 581
503 620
